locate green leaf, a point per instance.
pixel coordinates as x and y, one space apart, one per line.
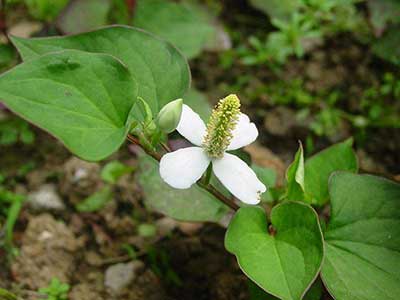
318 168
268 178
84 15
83 99
96 201
180 23
193 204
295 177
161 72
284 264
112 171
363 238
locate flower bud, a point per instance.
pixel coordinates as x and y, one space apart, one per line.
169 116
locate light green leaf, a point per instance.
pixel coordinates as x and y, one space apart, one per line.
318 168
161 72
113 170
83 99
96 201
295 177
180 23
363 238
193 204
284 264
84 15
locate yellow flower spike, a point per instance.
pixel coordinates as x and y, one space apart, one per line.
222 122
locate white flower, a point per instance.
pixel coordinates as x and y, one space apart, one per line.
184 167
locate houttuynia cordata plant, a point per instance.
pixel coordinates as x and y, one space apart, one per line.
95 90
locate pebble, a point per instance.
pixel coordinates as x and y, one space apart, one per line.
46 199
119 276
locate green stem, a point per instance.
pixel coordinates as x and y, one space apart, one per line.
207 178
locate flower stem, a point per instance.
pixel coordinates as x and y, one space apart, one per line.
207 177
208 187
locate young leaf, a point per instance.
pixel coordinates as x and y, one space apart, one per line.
295 177
161 72
193 204
84 99
318 168
363 238
96 201
286 263
112 171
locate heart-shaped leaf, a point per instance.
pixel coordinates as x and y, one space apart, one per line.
161 72
84 99
193 204
363 238
286 263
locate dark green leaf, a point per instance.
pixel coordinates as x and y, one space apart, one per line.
83 98
363 238
161 72
318 168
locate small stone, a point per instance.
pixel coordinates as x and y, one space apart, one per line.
46 199
25 29
165 226
119 276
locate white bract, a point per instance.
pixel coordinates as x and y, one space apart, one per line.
184 167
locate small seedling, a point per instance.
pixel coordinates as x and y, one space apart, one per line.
56 290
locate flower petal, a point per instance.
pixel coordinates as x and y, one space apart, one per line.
191 126
238 178
244 133
182 168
